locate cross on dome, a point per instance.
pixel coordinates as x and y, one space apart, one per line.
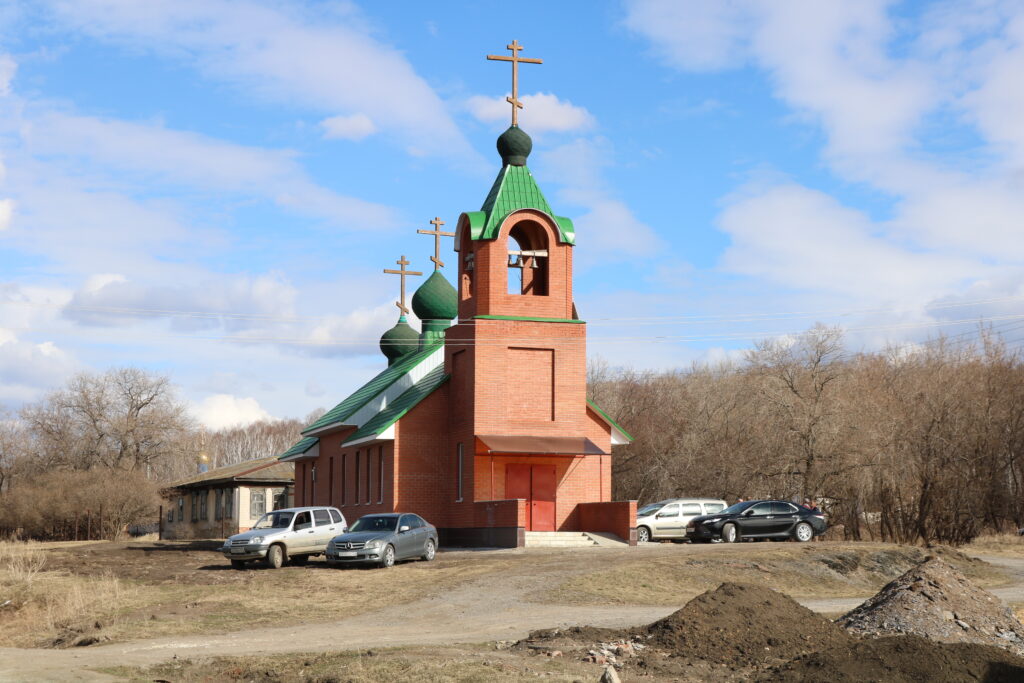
515 47
438 234
402 272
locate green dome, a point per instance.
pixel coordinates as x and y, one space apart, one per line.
514 146
435 300
399 340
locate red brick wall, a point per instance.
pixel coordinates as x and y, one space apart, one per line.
617 518
425 476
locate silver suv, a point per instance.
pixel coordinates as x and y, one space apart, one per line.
291 535
668 518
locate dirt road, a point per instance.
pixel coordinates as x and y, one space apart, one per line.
477 611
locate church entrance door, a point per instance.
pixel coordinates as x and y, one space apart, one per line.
537 485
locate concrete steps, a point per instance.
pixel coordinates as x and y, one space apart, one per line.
559 539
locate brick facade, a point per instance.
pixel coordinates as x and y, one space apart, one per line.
517 366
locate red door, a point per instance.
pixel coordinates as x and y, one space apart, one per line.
537 485
542 502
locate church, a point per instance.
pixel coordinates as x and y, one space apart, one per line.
482 427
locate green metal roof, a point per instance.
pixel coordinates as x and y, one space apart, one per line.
401 405
363 394
514 189
609 420
300 447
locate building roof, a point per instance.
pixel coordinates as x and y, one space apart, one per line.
382 421
620 436
513 189
263 470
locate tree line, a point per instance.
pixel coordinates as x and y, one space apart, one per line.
912 444
91 457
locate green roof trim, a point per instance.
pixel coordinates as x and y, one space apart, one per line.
401 405
527 318
609 420
363 394
300 447
514 189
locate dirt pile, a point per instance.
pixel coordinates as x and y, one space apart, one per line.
935 601
741 625
903 659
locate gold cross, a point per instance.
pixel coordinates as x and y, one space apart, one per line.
403 273
436 232
515 59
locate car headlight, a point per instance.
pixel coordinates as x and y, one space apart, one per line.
712 520
256 540
373 545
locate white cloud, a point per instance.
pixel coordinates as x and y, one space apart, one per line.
6 213
28 369
325 61
221 411
541 113
8 67
693 35
353 127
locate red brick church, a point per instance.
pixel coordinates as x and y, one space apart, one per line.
482 427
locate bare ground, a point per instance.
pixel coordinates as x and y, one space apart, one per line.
463 597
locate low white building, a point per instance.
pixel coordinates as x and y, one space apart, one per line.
226 500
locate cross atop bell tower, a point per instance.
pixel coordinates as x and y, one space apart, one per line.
515 47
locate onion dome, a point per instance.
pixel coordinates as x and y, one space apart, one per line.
435 300
399 340
514 146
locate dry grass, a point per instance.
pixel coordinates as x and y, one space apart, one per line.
39 605
815 570
1007 545
429 665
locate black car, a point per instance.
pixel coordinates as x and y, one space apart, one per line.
757 519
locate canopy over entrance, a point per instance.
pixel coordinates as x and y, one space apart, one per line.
540 445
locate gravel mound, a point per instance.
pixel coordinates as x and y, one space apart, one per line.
741 625
903 659
935 601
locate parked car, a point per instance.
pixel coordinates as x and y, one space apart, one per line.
758 519
668 518
383 540
290 535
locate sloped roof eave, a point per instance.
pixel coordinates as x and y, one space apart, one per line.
373 428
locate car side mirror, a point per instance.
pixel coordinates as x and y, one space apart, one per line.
403 529
748 513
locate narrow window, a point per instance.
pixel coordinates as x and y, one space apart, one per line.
229 503
369 476
204 497
380 475
358 453
344 479
195 506
170 514
217 502
330 481
458 474
312 484
181 508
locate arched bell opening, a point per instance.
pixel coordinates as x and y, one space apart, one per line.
528 259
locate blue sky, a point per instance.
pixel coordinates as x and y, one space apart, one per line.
211 189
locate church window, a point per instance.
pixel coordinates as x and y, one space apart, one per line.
458 474
528 259
330 481
380 475
358 453
344 478
369 476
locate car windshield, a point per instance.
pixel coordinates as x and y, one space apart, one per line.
650 508
274 520
375 523
736 508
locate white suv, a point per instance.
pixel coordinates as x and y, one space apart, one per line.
293 534
667 518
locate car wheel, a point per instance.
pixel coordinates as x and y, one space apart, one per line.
387 558
803 532
643 534
299 560
429 551
730 534
238 564
275 557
